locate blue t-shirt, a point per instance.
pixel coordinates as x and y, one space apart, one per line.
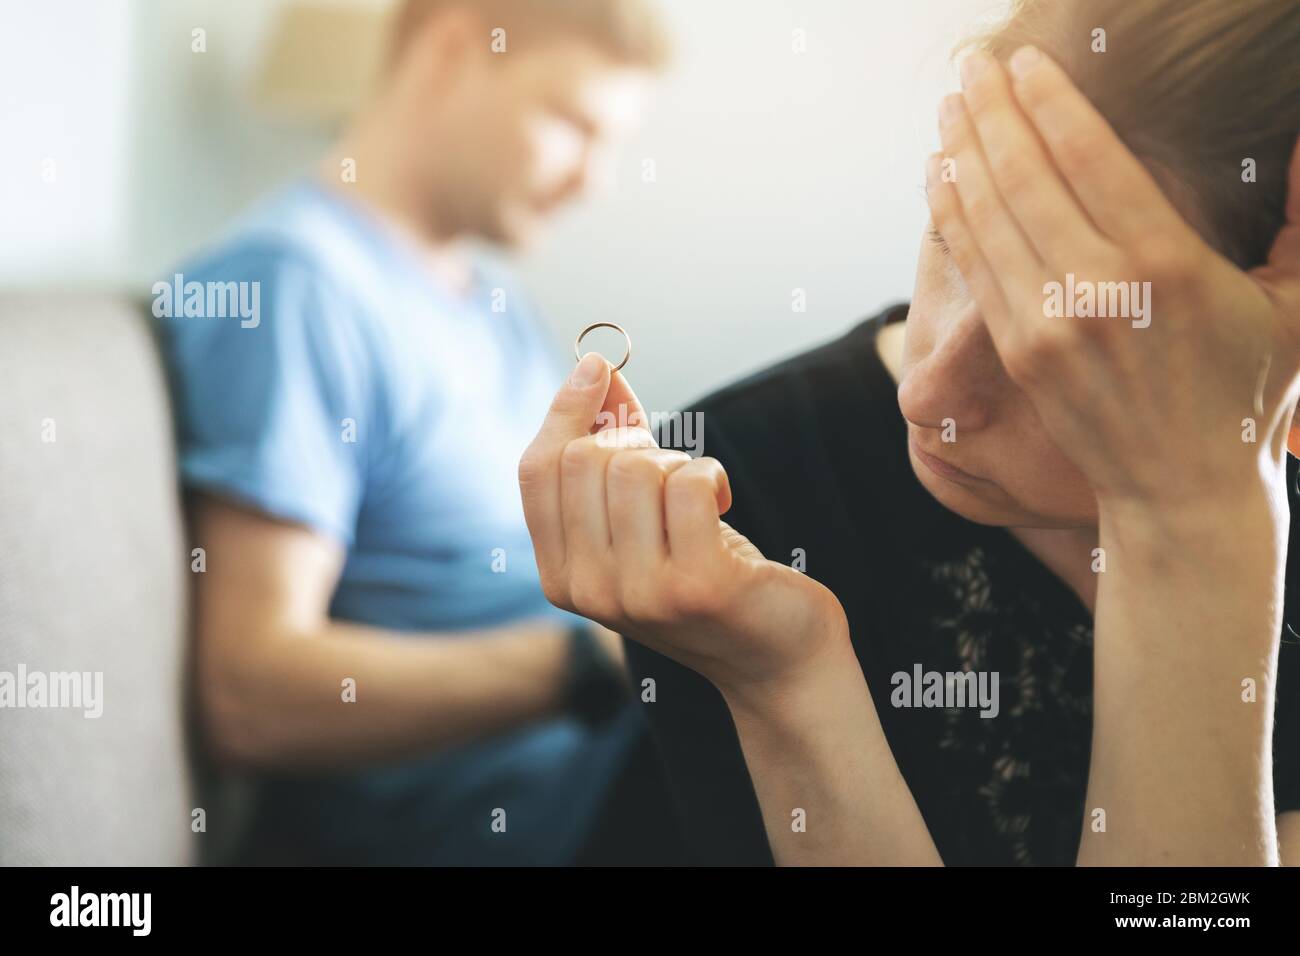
324 377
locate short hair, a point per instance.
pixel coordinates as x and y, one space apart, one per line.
630 31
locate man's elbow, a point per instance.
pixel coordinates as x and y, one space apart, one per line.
231 719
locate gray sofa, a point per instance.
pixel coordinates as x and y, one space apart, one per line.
94 579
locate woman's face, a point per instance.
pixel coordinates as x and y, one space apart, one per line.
974 439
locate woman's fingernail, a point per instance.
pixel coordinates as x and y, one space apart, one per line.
973 67
1023 61
588 371
950 108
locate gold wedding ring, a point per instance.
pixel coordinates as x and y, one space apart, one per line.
577 345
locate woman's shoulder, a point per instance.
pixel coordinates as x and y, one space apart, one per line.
815 447
833 400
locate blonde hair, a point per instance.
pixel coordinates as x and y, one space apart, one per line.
631 31
1194 87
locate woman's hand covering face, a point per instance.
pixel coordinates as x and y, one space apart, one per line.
1190 390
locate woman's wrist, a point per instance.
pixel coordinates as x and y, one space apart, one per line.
816 750
799 689
1247 517
1188 616
1210 570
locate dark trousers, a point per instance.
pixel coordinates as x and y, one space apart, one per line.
638 823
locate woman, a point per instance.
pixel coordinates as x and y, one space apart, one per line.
1088 513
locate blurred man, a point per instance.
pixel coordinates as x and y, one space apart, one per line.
371 631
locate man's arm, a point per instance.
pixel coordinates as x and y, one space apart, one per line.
271 663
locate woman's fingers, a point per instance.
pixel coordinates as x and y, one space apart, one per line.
1023 172
635 482
1116 190
584 465
592 401
983 284
621 408
628 517
572 413
694 497
989 223
605 505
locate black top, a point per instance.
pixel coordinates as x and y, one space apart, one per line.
816 450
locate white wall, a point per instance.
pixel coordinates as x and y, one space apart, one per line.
64 189
776 171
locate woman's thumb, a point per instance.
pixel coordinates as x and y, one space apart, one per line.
578 402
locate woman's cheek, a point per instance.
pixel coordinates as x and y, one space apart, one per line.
1047 482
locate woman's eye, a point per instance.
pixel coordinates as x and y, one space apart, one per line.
937 238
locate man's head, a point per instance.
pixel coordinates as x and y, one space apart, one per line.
511 108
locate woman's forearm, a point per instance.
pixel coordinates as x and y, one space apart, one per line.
829 788
1187 624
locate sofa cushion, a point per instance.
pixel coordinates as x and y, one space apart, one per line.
93 581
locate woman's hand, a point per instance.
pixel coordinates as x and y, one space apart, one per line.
1157 404
628 535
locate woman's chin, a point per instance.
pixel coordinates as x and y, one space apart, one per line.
987 504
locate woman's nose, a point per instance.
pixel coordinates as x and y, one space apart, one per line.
957 380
